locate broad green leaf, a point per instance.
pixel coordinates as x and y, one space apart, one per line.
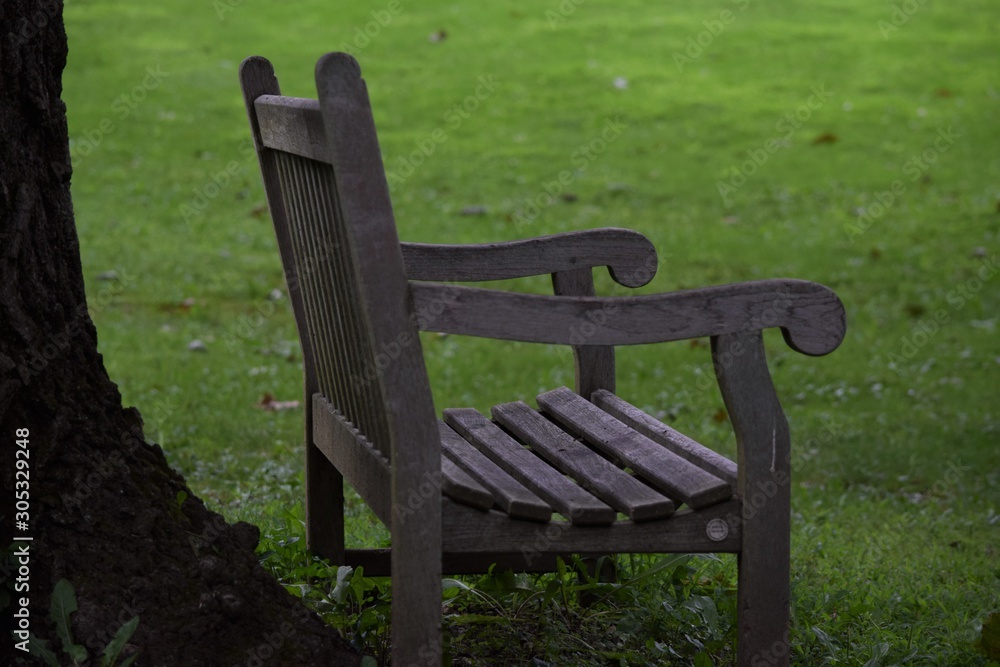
881 650
343 583
704 607
40 649
62 607
452 587
117 643
826 640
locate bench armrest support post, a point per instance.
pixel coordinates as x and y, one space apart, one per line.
764 485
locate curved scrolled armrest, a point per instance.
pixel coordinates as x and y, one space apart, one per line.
810 315
629 256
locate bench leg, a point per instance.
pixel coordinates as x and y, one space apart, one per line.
762 599
764 486
416 562
324 507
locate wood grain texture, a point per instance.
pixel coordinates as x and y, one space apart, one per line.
346 367
810 316
688 449
457 484
292 125
677 478
593 472
764 487
415 442
629 256
593 365
468 530
357 459
547 483
508 493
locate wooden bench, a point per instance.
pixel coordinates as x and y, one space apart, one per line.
584 473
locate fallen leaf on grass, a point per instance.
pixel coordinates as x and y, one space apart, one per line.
825 138
182 307
267 402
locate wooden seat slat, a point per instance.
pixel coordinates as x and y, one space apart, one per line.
592 471
460 485
668 472
675 441
567 498
510 494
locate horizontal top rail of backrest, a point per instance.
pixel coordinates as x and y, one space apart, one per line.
292 125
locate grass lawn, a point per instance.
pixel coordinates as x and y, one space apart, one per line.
851 143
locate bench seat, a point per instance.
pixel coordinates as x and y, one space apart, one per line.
588 461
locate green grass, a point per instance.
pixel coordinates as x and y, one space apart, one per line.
894 554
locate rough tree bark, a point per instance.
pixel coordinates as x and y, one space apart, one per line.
103 503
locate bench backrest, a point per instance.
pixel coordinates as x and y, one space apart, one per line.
329 202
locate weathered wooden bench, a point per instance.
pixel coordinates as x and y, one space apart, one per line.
584 473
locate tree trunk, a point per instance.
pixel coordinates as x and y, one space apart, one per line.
104 506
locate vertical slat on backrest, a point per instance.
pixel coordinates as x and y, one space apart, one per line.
345 363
